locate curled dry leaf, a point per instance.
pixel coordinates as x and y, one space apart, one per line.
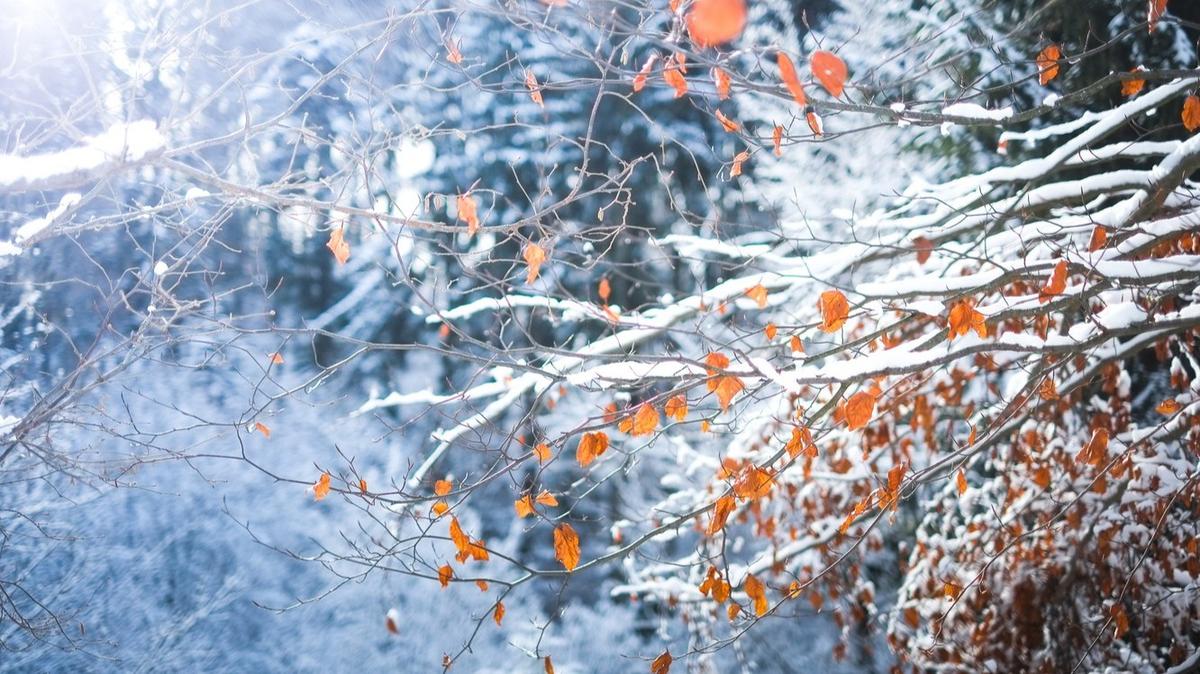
1132 87
1047 63
263 428
661 664
923 248
468 212
566 546
392 621
722 81
777 140
639 80
741 158
714 22
338 246
498 613
673 76
445 573
524 506
834 310
729 125
787 72
830 71
535 89
814 123
1099 239
963 318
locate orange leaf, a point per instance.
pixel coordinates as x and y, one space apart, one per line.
1191 113
1132 87
756 483
814 123
834 310
1041 477
1168 406
566 546
759 294
440 508
1056 284
796 345
924 248
1099 239
338 246
535 90
755 589
1047 390
673 77
787 72
859 408
661 664
534 257
468 213
263 428
830 71
1157 8
715 22
460 538
453 53
321 488
728 387
1095 451
770 331
445 573
524 506
777 140
542 451
498 614
442 487
362 486
676 407
721 511
645 420
963 318
276 358
604 290
1047 63
548 665
721 78
392 621
639 80
741 158
729 125
547 499
591 446
962 482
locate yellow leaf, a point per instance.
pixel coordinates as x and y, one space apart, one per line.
321 488
534 257
566 546
338 246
